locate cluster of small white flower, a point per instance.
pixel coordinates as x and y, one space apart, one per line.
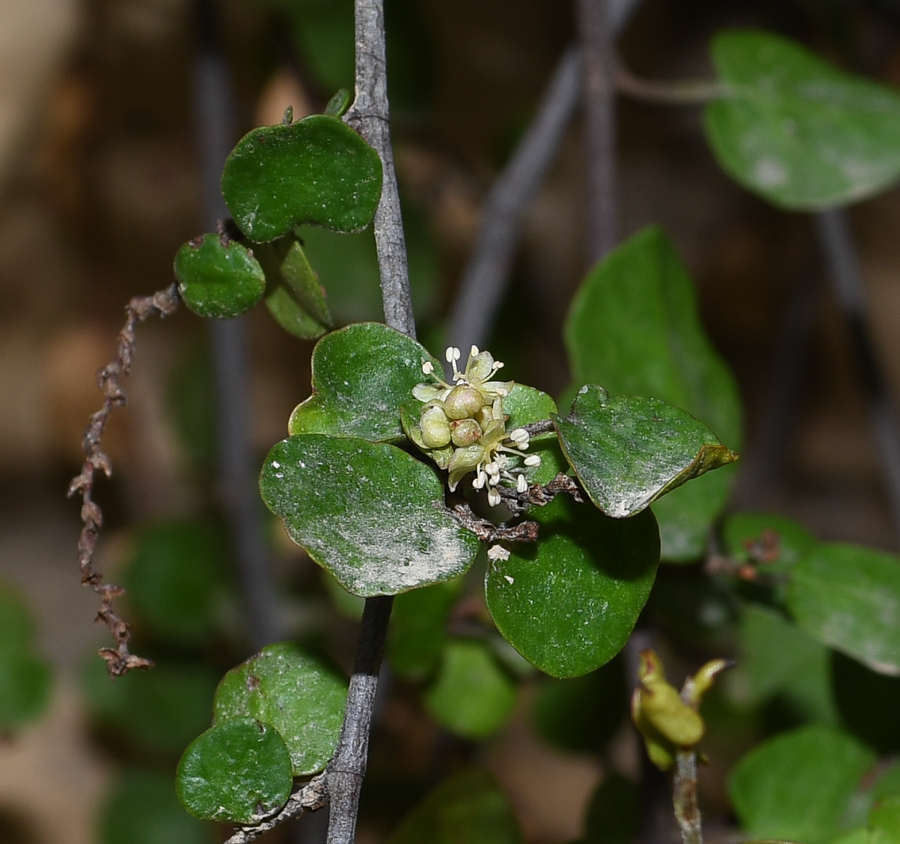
462 426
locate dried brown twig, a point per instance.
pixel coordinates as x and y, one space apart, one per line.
119 660
310 798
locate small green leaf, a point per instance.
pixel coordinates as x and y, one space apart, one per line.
218 277
644 283
317 171
467 808
177 577
776 541
237 771
796 130
339 103
361 375
472 695
368 512
417 634
301 695
594 571
630 450
799 785
142 808
293 293
25 681
848 597
778 658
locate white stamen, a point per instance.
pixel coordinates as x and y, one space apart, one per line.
533 460
473 352
478 483
428 367
493 497
521 484
452 354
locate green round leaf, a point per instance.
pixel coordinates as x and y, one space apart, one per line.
417 634
368 512
799 785
467 808
472 695
25 681
238 771
176 579
781 540
361 375
644 283
569 601
796 130
317 171
217 277
630 450
142 808
299 694
159 710
848 597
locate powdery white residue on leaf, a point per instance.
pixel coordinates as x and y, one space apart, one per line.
769 173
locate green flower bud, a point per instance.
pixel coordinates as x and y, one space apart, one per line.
435 427
463 402
465 432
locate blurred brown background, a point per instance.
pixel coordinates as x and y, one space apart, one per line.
99 185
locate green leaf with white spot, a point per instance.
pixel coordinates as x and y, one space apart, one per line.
361 375
848 597
595 573
629 451
317 171
796 130
303 696
368 512
644 283
218 277
237 771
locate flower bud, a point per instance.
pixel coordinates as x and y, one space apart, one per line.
463 402
435 428
465 432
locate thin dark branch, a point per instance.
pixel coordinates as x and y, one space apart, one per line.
696 92
490 264
119 659
595 34
310 798
684 797
836 242
370 116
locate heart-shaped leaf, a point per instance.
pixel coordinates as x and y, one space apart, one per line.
238 771
368 512
361 375
569 601
630 450
799 785
796 130
218 277
472 695
644 283
317 171
848 597
293 293
300 695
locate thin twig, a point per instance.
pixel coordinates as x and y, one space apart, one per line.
119 659
696 92
370 116
684 797
595 34
310 798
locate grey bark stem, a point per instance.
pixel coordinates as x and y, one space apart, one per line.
370 116
595 33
